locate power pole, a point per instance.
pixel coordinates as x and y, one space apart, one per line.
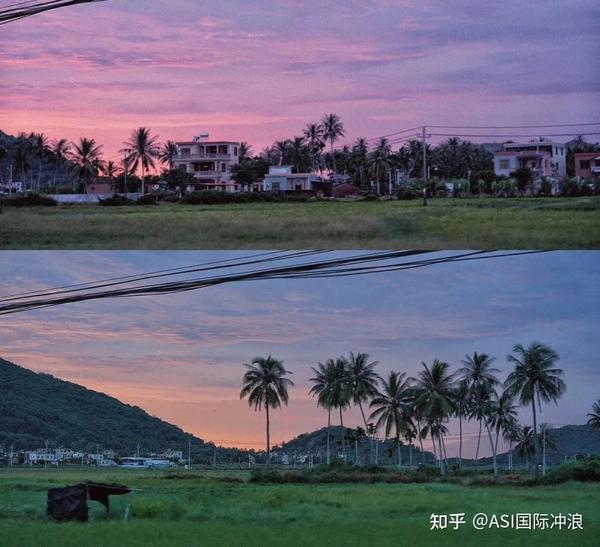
190 453
423 146
543 427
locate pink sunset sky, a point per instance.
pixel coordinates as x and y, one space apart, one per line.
259 71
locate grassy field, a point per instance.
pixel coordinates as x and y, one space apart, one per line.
195 508
560 223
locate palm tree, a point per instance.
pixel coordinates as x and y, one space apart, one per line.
167 153
535 378
297 152
61 150
363 381
511 434
313 133
110 170
342 392
435 398
481 379
594 416
39 147
462 409
244 152
264 384
380 162
142 149
86 155
501 416
333 129
526 441
392 407
325 389
280 148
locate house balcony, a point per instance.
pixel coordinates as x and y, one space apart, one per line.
201 157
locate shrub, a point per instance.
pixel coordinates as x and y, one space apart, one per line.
28 200
115 201
148 199
345 190
211 197
583 471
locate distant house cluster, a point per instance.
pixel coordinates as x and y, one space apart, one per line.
106 458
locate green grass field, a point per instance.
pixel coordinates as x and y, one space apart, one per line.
559 223
202 509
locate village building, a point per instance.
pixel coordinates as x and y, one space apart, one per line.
209 161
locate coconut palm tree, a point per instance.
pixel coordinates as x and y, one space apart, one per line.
280 149
435 398
594 416
313 133
265 384
244 151
110 170
325 388
39 147
462 409
363 381
511 434
535 378
392 408
342 392
61 150
500 415
142 149
525 446
86 155
167 153
480 376
333 129
297 153
380 162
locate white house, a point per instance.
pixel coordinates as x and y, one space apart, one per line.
281 179
209 161
543 157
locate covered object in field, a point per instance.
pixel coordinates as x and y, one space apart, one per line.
70 502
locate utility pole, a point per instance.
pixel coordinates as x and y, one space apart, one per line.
423 146
543 450
190 453
46 456
11 455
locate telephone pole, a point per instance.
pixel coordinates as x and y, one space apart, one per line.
423 146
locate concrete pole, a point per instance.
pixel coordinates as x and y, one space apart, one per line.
423 146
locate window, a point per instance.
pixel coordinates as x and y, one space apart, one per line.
223 167
185 151
504 164
235 150
298 187
584 164
275 187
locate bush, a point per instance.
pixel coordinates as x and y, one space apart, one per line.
115 201
211 197
583 471
148 199
28 200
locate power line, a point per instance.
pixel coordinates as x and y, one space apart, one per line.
511 135
339 267
511 126
19 10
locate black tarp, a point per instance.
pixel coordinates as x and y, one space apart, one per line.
70 502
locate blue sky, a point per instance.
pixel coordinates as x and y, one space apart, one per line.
179 356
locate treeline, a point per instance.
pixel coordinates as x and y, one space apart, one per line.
412 409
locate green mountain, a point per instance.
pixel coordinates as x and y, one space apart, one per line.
38 407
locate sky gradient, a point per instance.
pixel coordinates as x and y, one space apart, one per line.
259 71
179 356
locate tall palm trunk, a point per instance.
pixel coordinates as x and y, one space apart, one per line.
328 435
367 431
535 439
442 467
478 443
399 452
460 440
332 157
143 177
487 426
343 435
420 439
268 438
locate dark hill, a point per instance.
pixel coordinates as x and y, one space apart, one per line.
38 407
